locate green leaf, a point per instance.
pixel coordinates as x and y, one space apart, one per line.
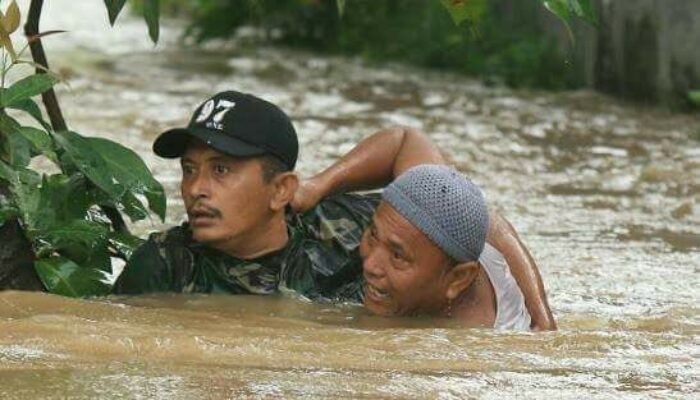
151 13
560 8
8 174
116 170
31 108
36 140
44 211
15 149
39 200
114 7
133 207
40 140
26 88
63 276
83 156
62 199
54 221
25 187
566 10
124 243
694 97
52 210
465 10
341 7
79 231
584 9
130 171
128 204
80 240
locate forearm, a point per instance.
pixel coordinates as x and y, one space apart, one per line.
522 265
377 160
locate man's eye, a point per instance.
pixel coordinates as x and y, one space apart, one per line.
187 170
397 256
220 169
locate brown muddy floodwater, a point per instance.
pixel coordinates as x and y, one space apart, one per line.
605 194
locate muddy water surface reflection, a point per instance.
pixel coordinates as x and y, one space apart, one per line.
184 346
605 194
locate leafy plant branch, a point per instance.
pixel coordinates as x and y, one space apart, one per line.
65 216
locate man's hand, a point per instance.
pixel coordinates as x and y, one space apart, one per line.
307 195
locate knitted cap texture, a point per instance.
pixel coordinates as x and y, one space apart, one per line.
443 204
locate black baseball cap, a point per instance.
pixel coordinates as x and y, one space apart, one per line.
237 124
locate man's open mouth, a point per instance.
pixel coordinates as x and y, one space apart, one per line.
374 292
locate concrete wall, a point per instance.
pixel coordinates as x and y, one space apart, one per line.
646 50
649 49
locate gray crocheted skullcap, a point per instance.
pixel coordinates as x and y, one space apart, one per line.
443 204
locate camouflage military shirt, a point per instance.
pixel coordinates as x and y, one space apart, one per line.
320 261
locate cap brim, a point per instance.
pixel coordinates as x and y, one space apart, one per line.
173 143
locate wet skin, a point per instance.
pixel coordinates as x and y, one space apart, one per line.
405 273
227 200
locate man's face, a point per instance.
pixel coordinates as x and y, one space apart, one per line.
405 273
226 197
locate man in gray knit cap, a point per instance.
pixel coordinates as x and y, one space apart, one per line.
432 247
424 254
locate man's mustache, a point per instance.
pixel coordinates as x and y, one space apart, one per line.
202 210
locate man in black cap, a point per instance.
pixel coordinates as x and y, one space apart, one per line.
237 156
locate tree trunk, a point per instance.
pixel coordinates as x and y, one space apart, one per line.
16 254
16 257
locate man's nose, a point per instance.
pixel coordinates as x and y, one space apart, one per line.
199 185
373 263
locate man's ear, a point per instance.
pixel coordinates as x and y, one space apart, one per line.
285 185
460 277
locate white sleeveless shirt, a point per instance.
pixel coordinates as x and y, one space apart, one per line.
511 313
